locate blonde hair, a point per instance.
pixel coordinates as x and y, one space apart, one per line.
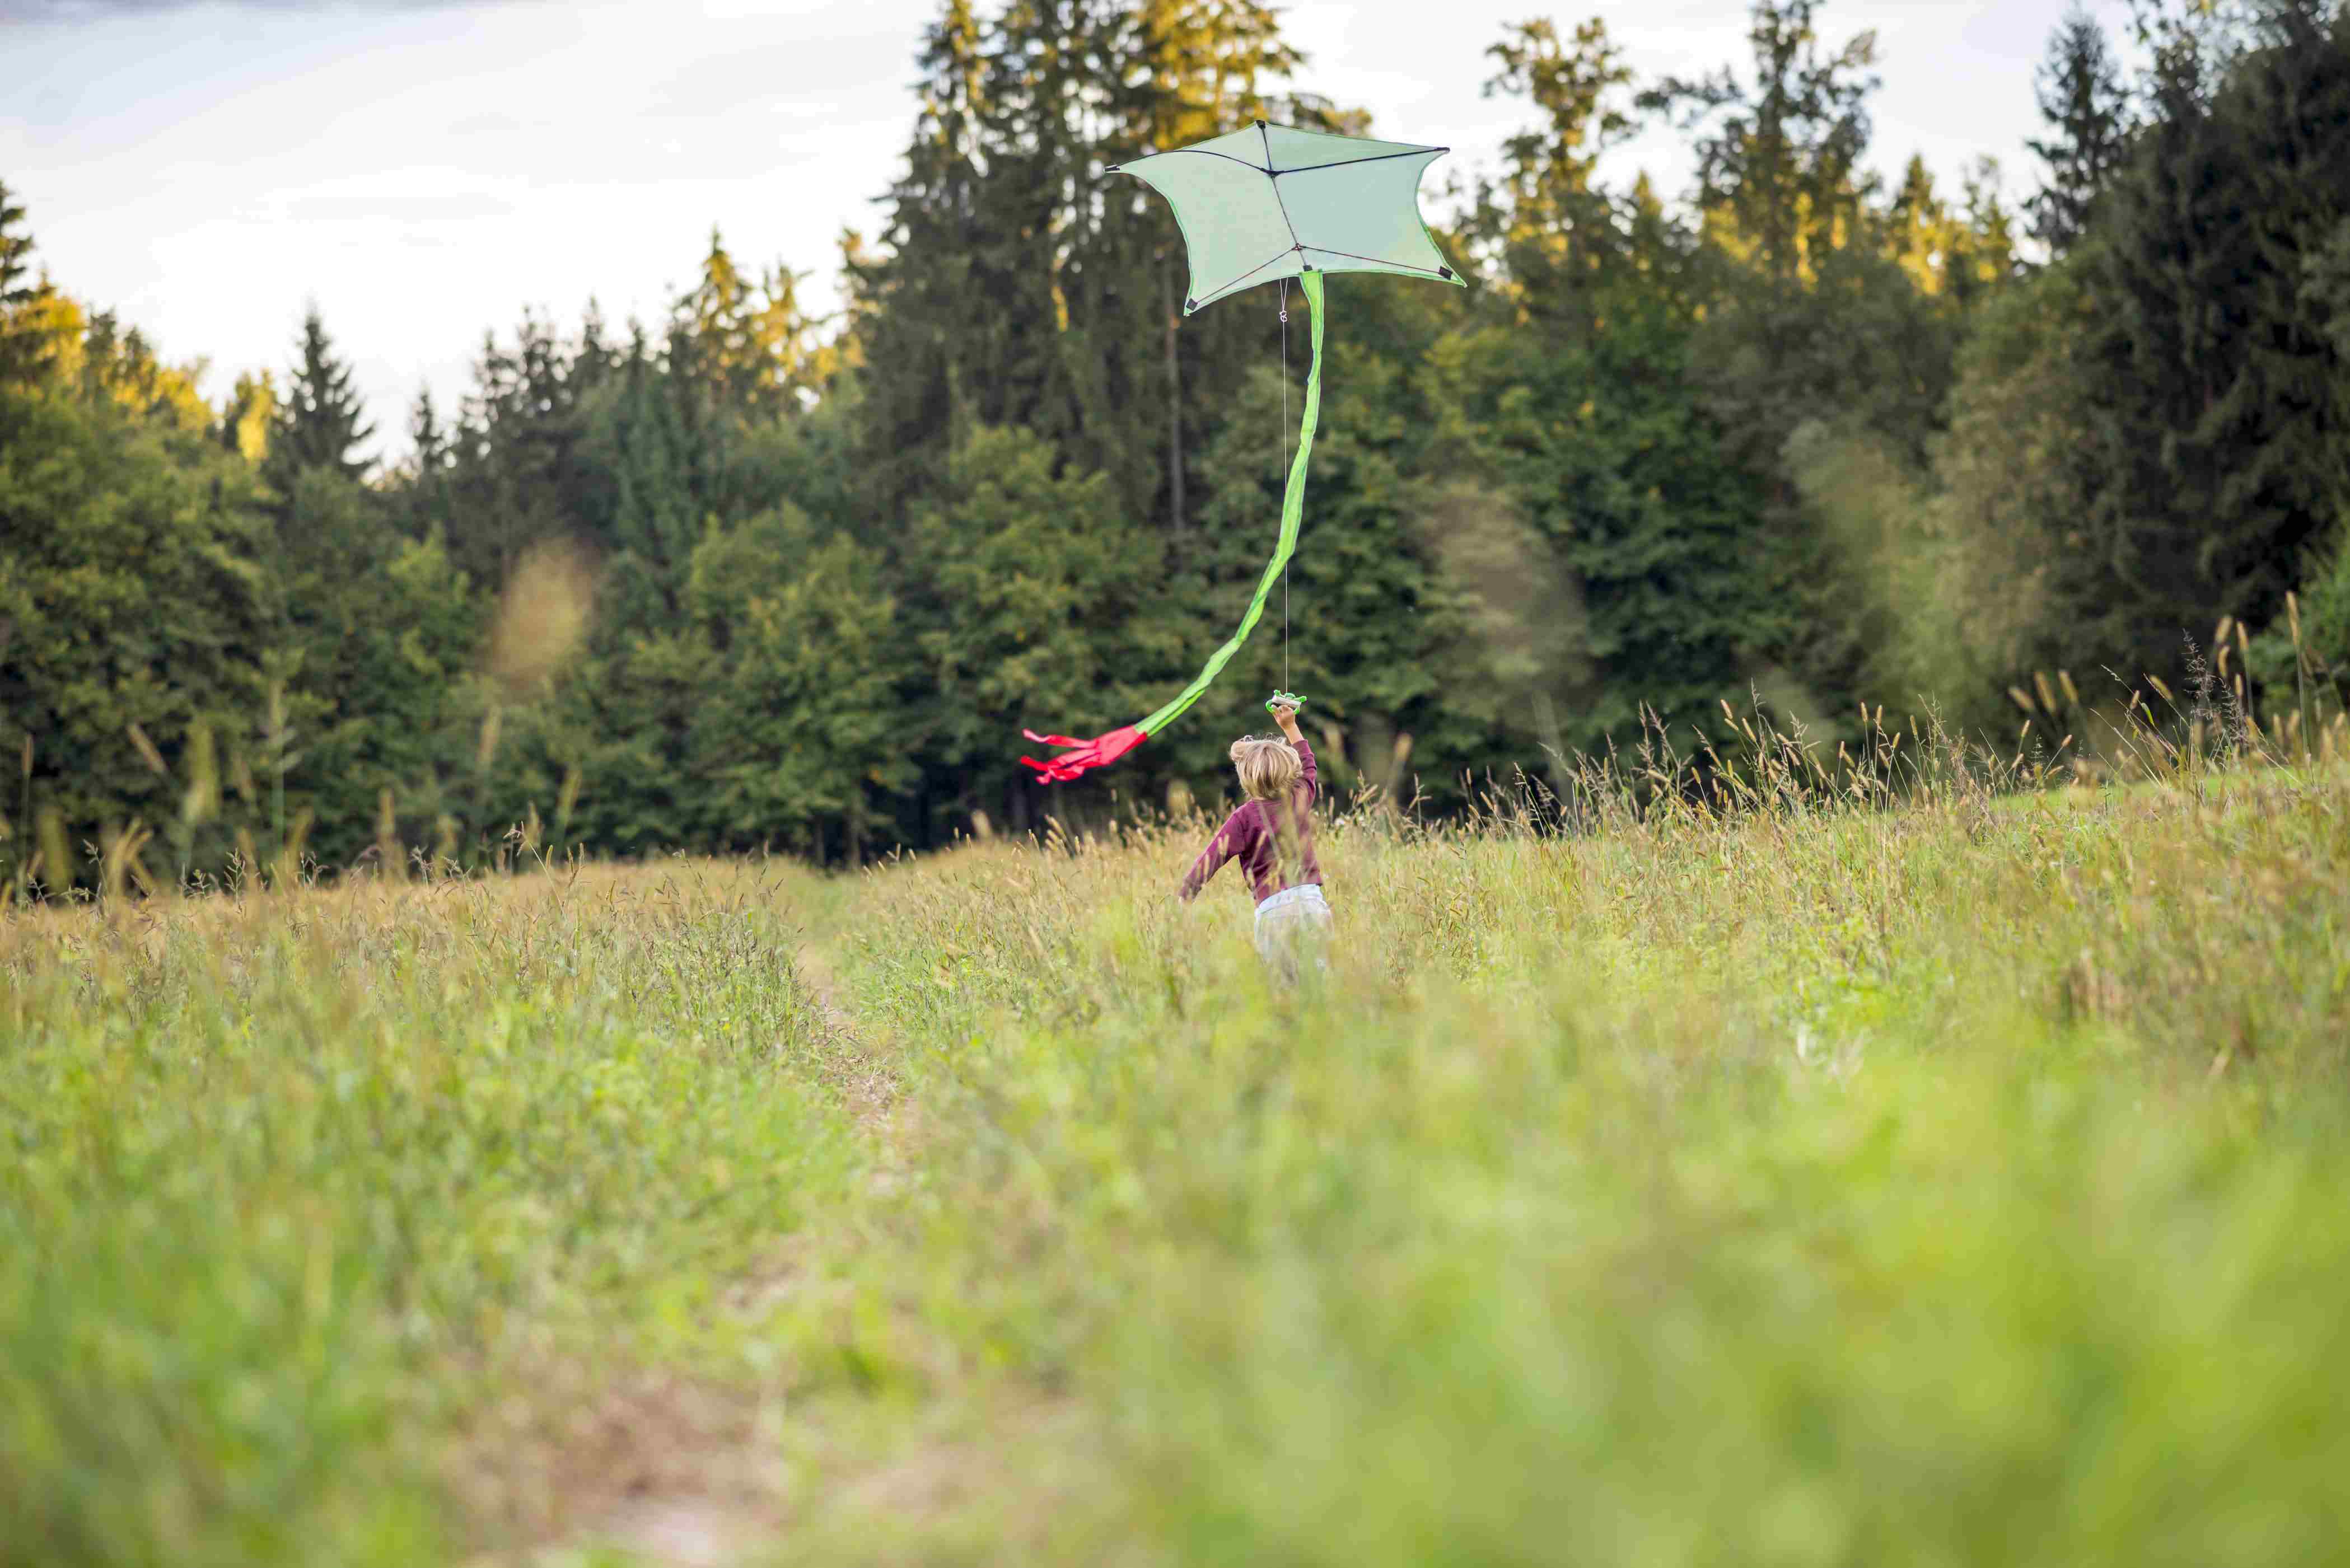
1269 768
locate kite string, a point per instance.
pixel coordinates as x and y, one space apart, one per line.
1281 478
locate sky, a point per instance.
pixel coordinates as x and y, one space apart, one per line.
425 170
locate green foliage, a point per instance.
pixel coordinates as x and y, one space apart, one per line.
1029 581
132 593
510 473
1779 171
1948 1178
1654 536
1548 231
2085 105
1958 573
1815 306
796 727
380 635
15 248
246 419
370 632
1372 614
747 342
320 424
21 340
2214 386
1796 431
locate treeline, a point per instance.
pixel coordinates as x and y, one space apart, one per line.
744 577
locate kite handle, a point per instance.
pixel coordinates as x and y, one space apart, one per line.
1279 698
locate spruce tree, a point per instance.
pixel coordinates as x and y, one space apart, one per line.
15 248
1205 66
1030 612
1004 201
112 365
423 502
515 475
2215 386
1981 251
1819 313
20 342
2086 107
1557 233
320 424
426 434
746 341
1779 169
1808 315
1916 228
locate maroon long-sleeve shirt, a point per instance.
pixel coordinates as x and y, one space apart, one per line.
1251 835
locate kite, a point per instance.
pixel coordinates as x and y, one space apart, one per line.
1257 206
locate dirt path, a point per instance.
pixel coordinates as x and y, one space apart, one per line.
690 1473
852 1066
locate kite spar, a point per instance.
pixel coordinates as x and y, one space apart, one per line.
1255 206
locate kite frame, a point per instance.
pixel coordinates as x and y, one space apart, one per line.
1298 247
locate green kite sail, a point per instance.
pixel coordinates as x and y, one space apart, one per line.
1257 206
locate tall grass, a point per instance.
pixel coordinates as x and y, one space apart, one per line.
1759 1153
288 1173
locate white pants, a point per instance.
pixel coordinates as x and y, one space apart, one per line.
1293 929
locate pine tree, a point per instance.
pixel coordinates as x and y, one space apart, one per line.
320 423
1080 341
116 366
427 436
1005 200
1657 539
1371 619
1815 315
1918 227
514 475
913 295
424 500
1807 315
2005 540
15 248
1780 173
1552 231
2086 107
1983 244
747 340
1205 66
22 343
2193 43
2215 387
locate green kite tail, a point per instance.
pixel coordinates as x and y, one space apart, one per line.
1103 750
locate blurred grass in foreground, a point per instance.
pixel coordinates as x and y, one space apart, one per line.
1815 1179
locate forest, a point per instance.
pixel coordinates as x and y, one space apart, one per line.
748 576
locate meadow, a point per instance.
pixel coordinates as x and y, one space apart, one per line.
1814 1175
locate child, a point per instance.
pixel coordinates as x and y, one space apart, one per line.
1271 833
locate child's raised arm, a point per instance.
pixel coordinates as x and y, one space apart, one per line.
1286 717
